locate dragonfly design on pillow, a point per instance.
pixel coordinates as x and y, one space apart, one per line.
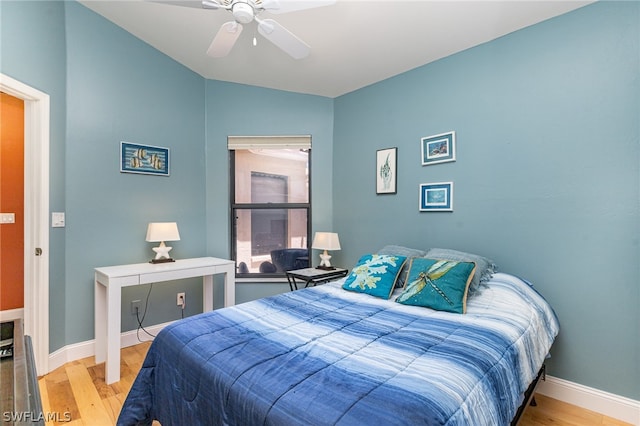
436 271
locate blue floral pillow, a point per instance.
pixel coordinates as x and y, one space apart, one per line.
438 284
375 274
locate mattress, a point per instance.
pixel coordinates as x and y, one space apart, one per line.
327 356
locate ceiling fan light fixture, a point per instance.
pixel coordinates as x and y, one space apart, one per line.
242 12
247 11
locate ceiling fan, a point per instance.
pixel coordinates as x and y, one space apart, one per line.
247 11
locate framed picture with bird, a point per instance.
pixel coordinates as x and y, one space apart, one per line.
438 148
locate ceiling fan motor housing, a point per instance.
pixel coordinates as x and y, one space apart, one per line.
242 12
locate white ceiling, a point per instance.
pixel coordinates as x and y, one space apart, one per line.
354 43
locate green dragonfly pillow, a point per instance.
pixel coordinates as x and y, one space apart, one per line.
438 284
375 274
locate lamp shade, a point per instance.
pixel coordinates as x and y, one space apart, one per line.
326 241
163 231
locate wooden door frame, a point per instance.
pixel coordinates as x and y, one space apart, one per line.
36 215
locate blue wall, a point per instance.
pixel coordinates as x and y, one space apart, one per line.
33 51
546 181
120 89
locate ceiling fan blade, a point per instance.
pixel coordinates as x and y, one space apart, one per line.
284 6
283 38
224 39
196 4
211 4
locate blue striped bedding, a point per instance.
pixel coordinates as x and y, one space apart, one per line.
326 356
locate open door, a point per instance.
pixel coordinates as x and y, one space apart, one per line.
36 216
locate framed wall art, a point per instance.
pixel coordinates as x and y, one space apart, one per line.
439 148
145 159
436 197
386 166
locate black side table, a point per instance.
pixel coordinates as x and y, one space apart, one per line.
313 276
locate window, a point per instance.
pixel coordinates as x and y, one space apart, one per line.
270 204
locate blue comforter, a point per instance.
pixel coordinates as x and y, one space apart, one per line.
325 356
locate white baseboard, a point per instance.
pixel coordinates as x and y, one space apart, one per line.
86 349
611 405
12 314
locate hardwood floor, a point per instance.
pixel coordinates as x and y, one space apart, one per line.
550 411
75 394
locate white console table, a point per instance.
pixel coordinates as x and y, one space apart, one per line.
110 280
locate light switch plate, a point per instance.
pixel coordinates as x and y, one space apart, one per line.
7 218
57 220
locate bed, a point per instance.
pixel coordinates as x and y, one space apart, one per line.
326 355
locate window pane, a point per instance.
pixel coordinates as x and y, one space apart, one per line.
266 188
271 176
271 240
268 231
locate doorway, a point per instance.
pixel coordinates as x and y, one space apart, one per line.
11 206
36 215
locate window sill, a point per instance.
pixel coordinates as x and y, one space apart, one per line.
257 280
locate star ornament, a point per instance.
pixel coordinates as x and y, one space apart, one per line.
162 251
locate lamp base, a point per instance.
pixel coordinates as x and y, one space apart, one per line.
326 268
163 260
324 262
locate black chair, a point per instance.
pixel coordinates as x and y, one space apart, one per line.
243 268
267 267
289 259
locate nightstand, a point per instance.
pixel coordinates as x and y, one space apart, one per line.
313 276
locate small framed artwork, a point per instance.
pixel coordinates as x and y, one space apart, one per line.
145 159
439 148
436 197
386 164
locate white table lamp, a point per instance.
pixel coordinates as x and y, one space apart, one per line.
326 241
161 232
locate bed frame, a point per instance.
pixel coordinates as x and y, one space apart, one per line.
529 398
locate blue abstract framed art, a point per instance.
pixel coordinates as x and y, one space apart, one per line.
144 159
436 197
439 148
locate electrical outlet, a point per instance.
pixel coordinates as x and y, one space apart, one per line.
135 307
180 299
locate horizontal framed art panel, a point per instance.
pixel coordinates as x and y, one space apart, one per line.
436 197
386 176
439 148
145 159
